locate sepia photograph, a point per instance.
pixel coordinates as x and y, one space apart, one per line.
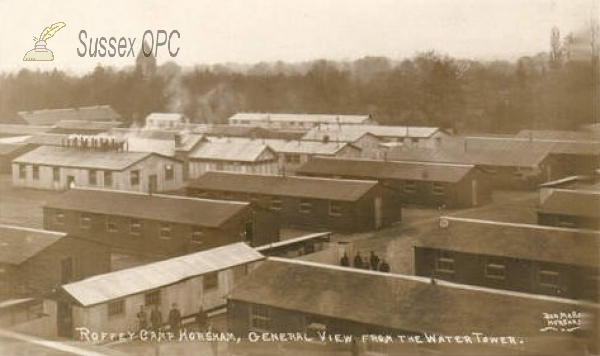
300 177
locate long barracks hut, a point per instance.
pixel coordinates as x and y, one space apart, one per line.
519 257
160 225
110 302
428 184
292 296
33 262
319 203
569 208
58 168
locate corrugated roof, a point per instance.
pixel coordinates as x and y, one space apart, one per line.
167 208
110 286
231 150
53 116
361 168
18 244
311 118
531 242
487 157
395 301
585 203
72 157
303 187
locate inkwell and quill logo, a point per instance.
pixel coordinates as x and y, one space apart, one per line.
40 52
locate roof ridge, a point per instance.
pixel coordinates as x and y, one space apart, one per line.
426 280
522 225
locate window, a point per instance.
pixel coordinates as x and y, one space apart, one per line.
276 204
135 227
55 174
59 217
85 221
315 325
135 177
108 179
22 171
565 221
495 269
197 236
116 308
219 166
152 298
410 186
438 188
335 208
305 206
169 172
92 177
36 172
111 225
548 278
444 262
165 231
260 317
210 281
292 158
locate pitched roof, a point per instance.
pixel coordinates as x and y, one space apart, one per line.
351 133
8 148
362 168
84 126
558 135
110 286
531 242
53 116
348 133
584 203
311 118
487 157
166 117
303 187
395 301
18 129
47 139
166 208
231 130
299 146
231 150
18 244
72 157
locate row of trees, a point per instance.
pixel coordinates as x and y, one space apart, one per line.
428 89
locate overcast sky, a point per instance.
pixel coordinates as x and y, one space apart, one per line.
250 31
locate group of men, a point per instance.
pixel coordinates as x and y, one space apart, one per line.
373 263
156 319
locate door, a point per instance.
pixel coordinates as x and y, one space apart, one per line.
152 183
66 270
474 192
378 213
70 182
64 320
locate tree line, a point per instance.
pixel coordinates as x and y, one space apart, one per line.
544 91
